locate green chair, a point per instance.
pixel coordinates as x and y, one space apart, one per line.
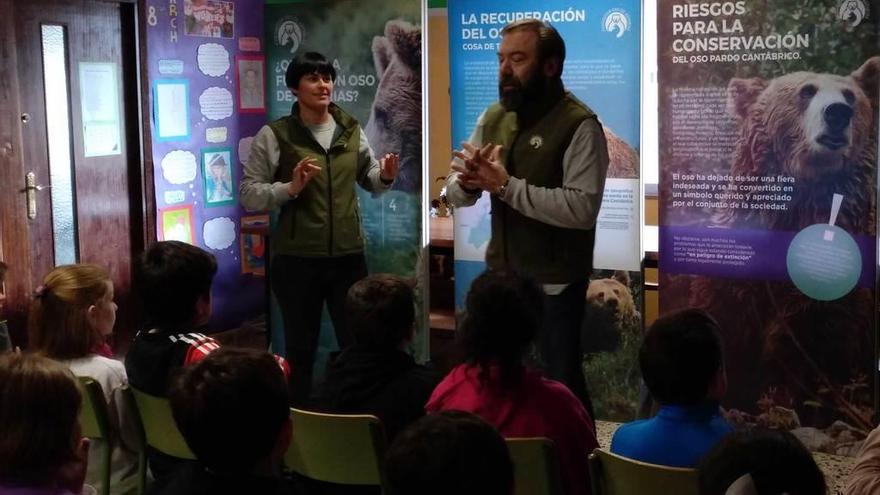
160 430
343 449
611 474
535 466
130 402
94 422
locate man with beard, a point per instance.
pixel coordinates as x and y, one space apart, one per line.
542 156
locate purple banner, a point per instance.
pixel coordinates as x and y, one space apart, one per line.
197 53
768 186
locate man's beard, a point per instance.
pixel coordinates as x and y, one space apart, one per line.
524 93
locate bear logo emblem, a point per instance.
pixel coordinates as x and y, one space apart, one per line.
536 142
616 20
289 32
852 11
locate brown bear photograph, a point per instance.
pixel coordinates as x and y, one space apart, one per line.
395 124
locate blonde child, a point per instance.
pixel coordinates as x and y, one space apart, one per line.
71 318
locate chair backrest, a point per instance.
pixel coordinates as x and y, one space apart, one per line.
94 422
130 403
611 474
346 449
535 466
160 430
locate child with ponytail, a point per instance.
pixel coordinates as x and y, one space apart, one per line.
71 318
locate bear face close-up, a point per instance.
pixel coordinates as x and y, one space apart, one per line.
395 124
610 310
815 130
611 294
804 124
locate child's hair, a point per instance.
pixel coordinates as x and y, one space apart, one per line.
380 311
680 357
39 426
171 277
308 63
503 314
776 461
231 407
59 325
449 452
3 268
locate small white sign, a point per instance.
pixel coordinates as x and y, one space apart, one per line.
179 167
215 134
100 109
219 233
216 103
174 197
213 59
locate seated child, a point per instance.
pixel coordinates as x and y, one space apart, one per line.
71 317
41 449
759 462
683 367
449 452
503 313
376 375
232 410
173 280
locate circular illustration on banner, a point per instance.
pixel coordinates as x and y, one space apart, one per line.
824 262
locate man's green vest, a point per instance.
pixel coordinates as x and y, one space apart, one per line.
324 220
552 255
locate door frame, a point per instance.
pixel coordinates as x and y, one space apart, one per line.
14 247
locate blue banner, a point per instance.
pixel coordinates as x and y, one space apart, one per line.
602 68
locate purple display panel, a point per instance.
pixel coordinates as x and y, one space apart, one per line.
768 153
200 139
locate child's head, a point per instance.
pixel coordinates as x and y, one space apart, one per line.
503 313
449 452
174 281
232 408
760 462
681 359
381 311
72 312
39 426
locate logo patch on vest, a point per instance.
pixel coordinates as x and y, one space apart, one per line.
536 142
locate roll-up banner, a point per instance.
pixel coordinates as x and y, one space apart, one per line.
376 49
768 155
602 68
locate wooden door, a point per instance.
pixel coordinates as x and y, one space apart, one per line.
71 186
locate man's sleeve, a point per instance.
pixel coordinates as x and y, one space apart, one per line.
455 193
576 204
369 171
258 189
